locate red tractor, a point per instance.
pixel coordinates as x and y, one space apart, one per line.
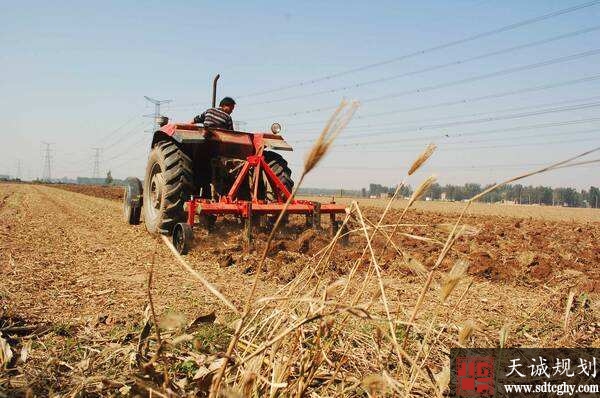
196 173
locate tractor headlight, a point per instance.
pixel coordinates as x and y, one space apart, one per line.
276 128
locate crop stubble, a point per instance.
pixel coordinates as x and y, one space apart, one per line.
68 260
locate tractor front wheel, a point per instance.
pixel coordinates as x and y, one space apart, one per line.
183 237
168 183
132 200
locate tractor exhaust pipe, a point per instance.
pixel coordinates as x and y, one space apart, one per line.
214 92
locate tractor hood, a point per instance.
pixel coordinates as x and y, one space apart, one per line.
273 141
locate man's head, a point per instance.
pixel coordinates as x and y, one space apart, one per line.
227 105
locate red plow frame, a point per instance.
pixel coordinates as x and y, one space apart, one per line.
246 209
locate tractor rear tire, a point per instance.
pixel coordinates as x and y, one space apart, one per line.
132 201
280 167
168 184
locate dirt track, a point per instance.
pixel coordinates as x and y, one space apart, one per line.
72 257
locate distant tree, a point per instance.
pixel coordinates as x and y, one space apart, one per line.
435 192
471 190
405 191
493 196
524 194
451 192
545 195
517 193
108 179
568 196
376 189
594 197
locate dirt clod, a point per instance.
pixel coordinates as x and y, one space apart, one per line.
226 260
305 239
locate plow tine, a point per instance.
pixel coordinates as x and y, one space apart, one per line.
248 227
316 215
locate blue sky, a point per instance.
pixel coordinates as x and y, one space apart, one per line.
73 72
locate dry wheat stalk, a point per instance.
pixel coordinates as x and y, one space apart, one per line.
466 332
417 194
298 320
333 128
568 306
421 190
453 234
456 274
422 158
399 351
503 335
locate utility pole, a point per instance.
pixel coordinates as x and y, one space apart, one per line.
96 170
157 104
47 174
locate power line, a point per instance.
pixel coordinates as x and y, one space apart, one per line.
467 100
483 120
96 170
111 133
462 148
123 136
83 161
378 125
429 49
47 174
469 134
127 149
431 68
488 75
157 104
504 139
472 121
453 82
456 167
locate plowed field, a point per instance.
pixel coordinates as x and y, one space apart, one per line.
74 280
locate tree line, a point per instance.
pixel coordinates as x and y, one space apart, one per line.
517 193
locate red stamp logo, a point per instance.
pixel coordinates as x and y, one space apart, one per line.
474 376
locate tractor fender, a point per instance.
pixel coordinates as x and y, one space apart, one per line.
180 133
159 136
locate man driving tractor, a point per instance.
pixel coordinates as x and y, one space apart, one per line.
211 171
218 117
